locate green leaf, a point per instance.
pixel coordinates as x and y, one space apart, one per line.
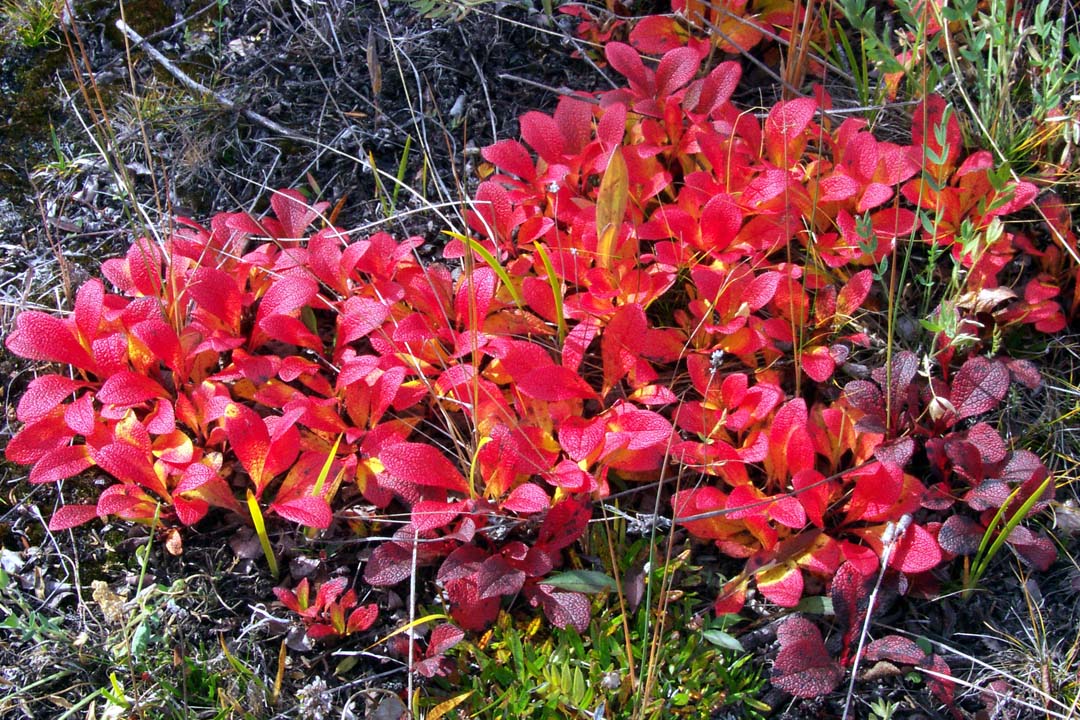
815 605
583 581
719 638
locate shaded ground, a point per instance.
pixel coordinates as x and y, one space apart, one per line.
355 86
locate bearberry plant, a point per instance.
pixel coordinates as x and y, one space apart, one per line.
655 286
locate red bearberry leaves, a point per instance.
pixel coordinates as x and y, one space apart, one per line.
803 666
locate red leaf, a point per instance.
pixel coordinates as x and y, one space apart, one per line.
850 593
895 649
308 511
362 618
960 535
129 464
216 292
40 437
564 524
916 551
925 121
783 127
527 499
422 464
803 667
854 293
60 464
554 383
563 609
293 212
512 157
70 516
496 577
43 394
129 388
443 637
818 363
676 68
782 585
621 342
627 63
978 387
542 134
40 336
389 564
433 514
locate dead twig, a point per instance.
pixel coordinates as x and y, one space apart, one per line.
197 87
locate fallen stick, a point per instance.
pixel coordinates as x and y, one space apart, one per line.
197 87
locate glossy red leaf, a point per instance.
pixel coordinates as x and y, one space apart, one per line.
423 465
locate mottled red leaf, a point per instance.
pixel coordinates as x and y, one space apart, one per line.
979 386
40 336
803 667
422 464
896 649
389 564
564 524
960 535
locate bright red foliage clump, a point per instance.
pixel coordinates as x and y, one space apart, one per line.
678 282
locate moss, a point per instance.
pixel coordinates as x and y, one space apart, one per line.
145 17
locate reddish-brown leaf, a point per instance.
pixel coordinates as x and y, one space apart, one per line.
895 649
803 667
979 386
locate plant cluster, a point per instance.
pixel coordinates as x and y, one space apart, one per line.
655 285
